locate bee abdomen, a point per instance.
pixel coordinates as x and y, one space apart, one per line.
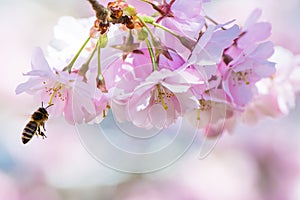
29 131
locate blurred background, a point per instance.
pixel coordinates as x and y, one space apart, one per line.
258 163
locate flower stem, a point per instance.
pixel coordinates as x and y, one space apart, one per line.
146 1
185 41
69 66
100 81
146 26
150 49
99 57
148 43
165 29
213 21
84 68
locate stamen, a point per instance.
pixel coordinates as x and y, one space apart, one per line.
204 104
198 114
241 77
103 113
160 94
55 92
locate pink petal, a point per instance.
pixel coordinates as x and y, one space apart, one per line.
254 16
210 47
158 116
262 51
255 33
39 61
28 85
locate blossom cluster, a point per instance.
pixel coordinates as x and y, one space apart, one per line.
154 62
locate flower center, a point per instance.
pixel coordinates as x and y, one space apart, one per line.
241 77
203 105
162 95
55 92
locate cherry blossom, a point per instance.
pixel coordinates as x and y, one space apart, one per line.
242 73
276 95
210 47
70 95
253 31
214 113
165 100
155 62
159 96
173 15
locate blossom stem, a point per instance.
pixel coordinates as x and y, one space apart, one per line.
84 68
99 56
210 19
185 41
165 29
100 78
146 26
155 7
69 66
150 49
148 43
147 1
213 21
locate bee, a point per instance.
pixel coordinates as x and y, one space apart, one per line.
38 119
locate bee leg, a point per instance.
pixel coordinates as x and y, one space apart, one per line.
38 130
43 135
43 125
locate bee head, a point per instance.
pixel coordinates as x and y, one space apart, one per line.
44 110
47 106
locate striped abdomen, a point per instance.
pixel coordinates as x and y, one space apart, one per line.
29 130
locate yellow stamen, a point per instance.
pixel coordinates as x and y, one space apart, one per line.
198 114
53 94
160 96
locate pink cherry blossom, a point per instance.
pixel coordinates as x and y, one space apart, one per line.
158 101
70 95
246 61
213 113
244 71
173 62
187 25
126 74
277 94
253 31
136 67
209 49
175 17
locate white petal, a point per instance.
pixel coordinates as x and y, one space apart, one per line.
176 88
158 116
39 62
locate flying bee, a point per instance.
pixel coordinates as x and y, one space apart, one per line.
38 119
